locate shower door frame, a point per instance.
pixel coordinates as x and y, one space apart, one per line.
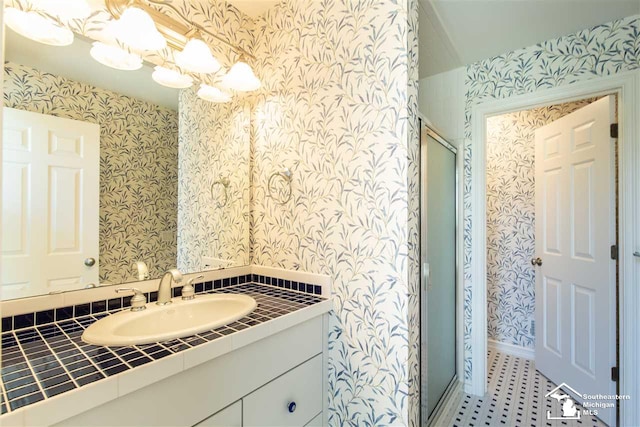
456 382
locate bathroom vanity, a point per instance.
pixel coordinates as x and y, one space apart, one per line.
140 180
267 368
275 381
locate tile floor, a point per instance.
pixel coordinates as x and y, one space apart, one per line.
515 398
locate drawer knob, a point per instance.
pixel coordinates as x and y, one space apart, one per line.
292 407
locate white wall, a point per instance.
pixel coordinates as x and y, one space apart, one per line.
441 99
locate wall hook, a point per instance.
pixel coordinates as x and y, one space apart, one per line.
283 194
225 186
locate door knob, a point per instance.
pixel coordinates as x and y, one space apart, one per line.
90 262
536 261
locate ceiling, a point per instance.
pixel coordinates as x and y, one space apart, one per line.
454 33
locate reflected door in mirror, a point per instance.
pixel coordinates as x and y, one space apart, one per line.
50 203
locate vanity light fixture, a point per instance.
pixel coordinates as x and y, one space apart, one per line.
136 29
213 94
34 26
186 37
241 78
197 58
171 78
115 57
140 26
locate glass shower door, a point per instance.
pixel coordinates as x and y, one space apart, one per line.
438 252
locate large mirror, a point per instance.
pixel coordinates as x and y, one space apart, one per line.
110 178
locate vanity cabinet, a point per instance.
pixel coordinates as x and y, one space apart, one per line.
293 399
252 385
230 416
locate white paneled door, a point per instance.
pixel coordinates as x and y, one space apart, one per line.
50 199
575 228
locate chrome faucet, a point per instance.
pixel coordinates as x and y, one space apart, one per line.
164 290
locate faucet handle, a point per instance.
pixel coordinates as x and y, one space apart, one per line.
188 292
138 300
193 279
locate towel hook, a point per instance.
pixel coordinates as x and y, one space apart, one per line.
225 186
283 194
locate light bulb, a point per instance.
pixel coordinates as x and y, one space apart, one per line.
66 9
196 57
171 78
115 57
241 78
136 29
37 27
213 94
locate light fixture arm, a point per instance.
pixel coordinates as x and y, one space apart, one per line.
176 33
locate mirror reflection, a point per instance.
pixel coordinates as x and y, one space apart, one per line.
110 178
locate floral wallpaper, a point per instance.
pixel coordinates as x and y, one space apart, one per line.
138 160
413 190
214 147
213 218
338 108
511 220
603 50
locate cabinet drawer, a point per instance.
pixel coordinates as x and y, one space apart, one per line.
270 405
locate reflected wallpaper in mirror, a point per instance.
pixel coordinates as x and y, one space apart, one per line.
173 187
138 167
213 214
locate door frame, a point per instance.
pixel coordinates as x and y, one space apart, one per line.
456 148
627 87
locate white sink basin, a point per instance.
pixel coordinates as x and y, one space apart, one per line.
175 320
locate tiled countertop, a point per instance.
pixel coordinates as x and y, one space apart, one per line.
49 360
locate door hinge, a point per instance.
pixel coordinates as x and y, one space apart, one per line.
614 130
614 373
614 251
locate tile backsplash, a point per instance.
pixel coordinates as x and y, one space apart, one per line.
57 314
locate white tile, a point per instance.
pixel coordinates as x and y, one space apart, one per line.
72 403
515 397
252 334
205 352
69 404
82 296
291 319
105 292
142 376
220 274
13 419
298 276
30 305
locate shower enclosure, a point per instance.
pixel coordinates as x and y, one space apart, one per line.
438 184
